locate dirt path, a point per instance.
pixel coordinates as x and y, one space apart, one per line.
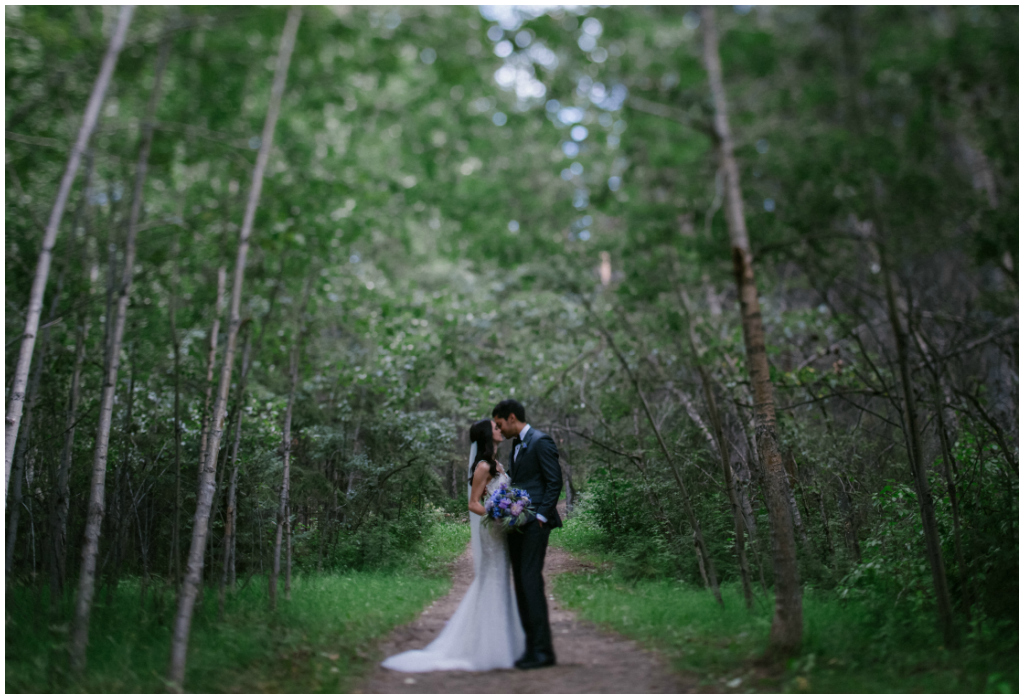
589 659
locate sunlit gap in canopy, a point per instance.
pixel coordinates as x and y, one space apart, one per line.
519 73
523 58
527 62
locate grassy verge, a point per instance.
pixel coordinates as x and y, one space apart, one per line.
322 640
848 646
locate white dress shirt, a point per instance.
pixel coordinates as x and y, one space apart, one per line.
522 436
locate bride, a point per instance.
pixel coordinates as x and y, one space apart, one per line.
485 632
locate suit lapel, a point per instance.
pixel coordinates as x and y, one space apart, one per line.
522 452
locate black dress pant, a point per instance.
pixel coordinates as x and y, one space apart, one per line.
526 550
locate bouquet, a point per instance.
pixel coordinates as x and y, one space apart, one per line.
508 507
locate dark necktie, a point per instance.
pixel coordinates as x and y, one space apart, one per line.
515 444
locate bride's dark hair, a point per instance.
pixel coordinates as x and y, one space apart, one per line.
482 433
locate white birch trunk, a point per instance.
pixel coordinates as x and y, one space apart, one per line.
211 361
787 624
284 508
286 446
175 564
94 518
19 379
59 492
230 515
194 567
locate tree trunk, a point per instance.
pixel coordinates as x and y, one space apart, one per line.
879 243
59 491
21 451
723 450
933 546
83 605
288 555
19 378
194 568
567 460
849 524
230 514
14 510
62 499
176 346
787 624
211 360
570 493
143 547
949 466
117 516
286 447
824 520
708 566
213 505
323 530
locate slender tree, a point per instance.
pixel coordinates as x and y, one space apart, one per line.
112 362
882 244
283 510
703 555
176 347
194 567
19 379
22 451
723 449
787 623
911 430
211 360
59 499
229 513
288 555
61 491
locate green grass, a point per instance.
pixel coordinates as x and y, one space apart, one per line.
848 646
322 640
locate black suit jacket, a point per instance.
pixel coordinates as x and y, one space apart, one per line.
538 472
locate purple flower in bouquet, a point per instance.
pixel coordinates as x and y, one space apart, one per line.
510 509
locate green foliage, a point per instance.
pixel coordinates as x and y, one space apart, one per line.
382 543
618 508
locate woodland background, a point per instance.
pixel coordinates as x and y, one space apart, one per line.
463 204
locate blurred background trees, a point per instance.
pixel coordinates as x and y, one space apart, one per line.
500 201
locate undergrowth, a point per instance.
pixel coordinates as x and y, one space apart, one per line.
321 640
861 645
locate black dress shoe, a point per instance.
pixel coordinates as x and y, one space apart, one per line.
532 662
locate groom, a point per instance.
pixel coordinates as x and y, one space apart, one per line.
534 469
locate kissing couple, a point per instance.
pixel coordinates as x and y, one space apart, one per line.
500 624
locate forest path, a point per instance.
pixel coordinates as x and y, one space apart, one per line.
589 659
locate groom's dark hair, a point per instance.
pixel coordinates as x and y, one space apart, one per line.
509 406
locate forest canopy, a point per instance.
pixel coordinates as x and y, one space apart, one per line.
754 268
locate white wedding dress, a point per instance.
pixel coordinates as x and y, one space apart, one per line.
484 633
